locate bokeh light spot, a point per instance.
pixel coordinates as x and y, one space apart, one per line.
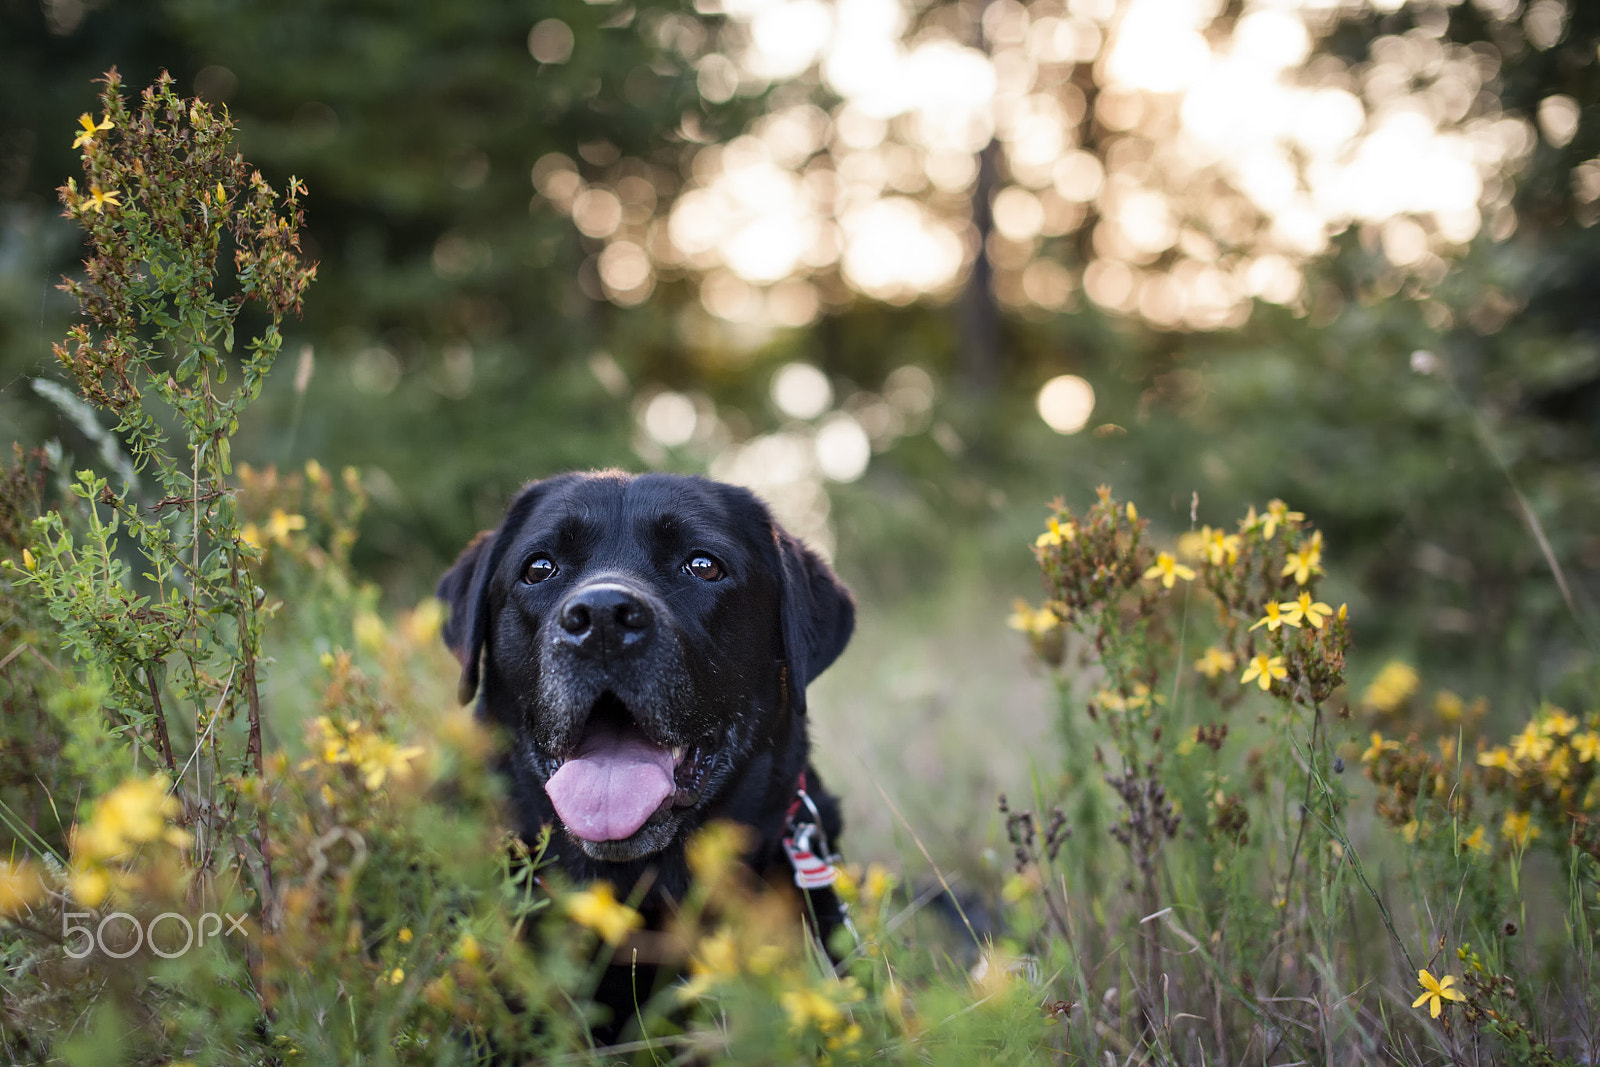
669 418
1065 403
843 448
550 41
801 391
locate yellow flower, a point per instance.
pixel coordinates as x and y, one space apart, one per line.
89 885
879 882
379 758
98 199
1251 521
369 630
1133 512
1477 841
1141 697
422 625
250 534
1557 723
1313 611
714 849
1530 746
1216 661
405 935
1302 564
1408 832
1057 534
1499 756
1169 570
1448 705
1560 764
599 910
1221 547
1518 828
1435 991
1391 688
86 135
28 562
807 1006
135 812
1263 669
20 888
714 959
1275 618
222 196
1278 512
1035 622
1587 746
1378 747
397 976
280 525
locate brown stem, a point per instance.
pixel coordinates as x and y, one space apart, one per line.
247 655
1294 856
163 741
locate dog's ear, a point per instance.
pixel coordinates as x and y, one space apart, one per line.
465 588
818 613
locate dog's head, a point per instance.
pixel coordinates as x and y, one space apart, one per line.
645 639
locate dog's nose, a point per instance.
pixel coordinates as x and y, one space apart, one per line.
606 619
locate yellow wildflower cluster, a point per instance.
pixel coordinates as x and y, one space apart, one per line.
1395 684
1035 622
284 507
1550 748
598 909
21 887
1138 698
1548 772
1216 662
823 1008
1091 560
1272 561
134 814
1216 547
867 888
277 530
1043 627
373 757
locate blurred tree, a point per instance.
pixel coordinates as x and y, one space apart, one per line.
446 346
1238 222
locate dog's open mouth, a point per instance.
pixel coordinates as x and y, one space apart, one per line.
617 778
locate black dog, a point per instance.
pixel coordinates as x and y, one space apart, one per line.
646 642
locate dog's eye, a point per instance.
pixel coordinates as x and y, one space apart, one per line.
538 570
705 568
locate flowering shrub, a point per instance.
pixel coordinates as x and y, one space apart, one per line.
1241 880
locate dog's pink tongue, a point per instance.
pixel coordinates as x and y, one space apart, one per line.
616 781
